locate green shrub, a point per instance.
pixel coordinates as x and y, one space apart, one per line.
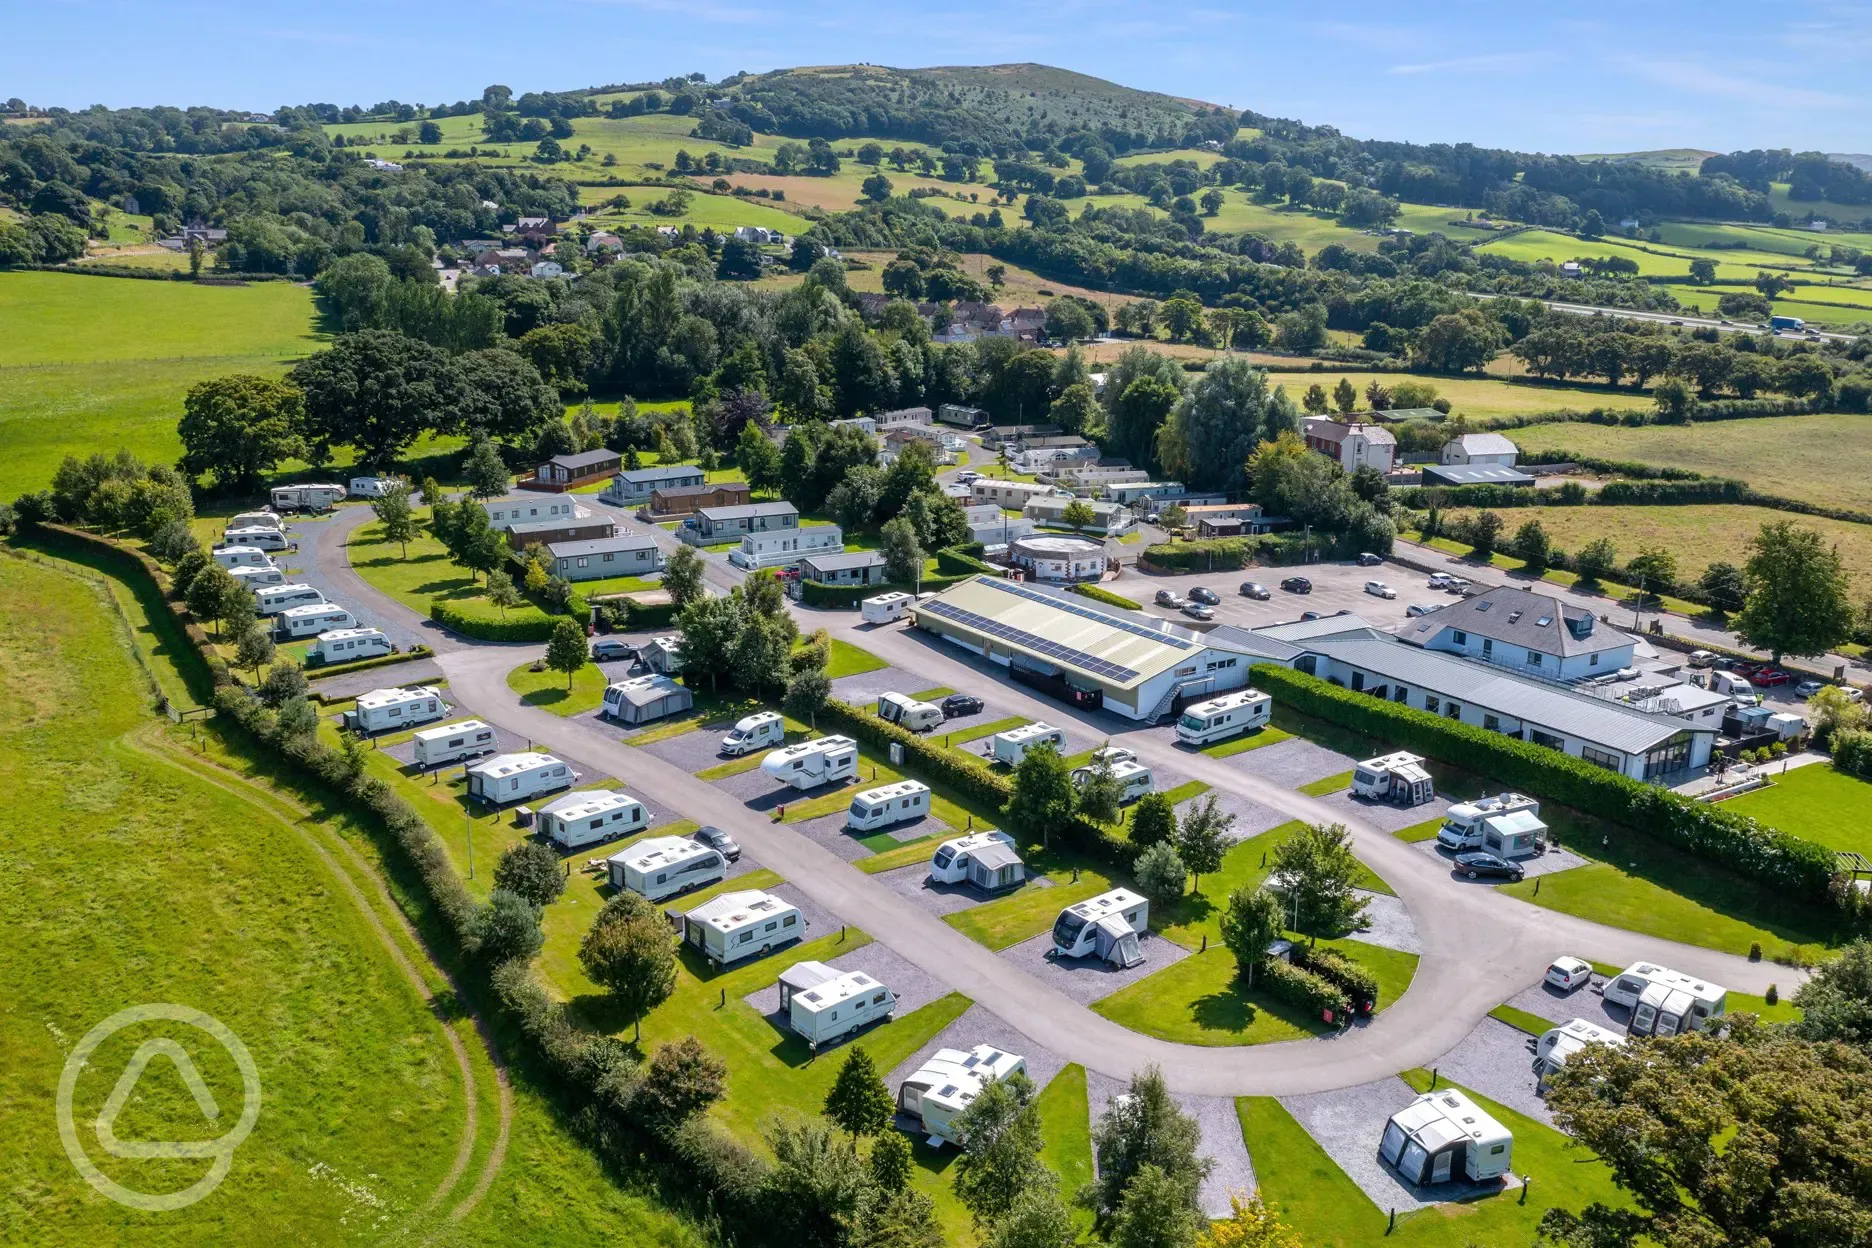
451 617
648 615
363 665
1341 971
960 561
1105 596
1300 987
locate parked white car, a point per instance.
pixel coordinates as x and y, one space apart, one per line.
1568 973
1378 589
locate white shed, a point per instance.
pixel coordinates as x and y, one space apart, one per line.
823 1004
590 816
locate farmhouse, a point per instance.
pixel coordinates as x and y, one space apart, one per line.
857 567
563 472
686 500
634 486
1352 446
1475 450
724 524
531 533
1530 632
1111 519
1480 474
629 555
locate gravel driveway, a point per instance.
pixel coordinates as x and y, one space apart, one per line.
389 676
1349 1122
1086 980
1292 763
1391 924
913 882
1497 1061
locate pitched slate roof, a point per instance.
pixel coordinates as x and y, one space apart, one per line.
1522 618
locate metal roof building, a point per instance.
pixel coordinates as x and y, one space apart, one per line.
1474 474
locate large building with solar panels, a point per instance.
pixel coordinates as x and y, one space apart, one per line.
1140 663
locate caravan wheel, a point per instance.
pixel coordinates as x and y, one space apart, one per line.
765 950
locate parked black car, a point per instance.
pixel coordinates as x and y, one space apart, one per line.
1254 589
957 704
1477 863
1206 596
1297 585
719 841
1369 560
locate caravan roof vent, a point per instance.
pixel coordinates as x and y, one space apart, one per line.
1513 616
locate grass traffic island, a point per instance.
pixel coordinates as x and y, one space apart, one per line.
427 575
547 689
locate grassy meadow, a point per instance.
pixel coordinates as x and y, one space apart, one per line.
1481 399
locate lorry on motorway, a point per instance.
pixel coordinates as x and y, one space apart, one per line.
1786 322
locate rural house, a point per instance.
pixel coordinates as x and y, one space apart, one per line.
1352 446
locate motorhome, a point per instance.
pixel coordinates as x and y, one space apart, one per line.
888 805
1011 746
823 760
257 520
321 496
1398 778
907 712
381 710
735 926
517 777
373 487
1232 713
312 619
435 747
1443 1135
591 816
241 557
755 732
273 599
1664 1002
1556 1046
256 579
662 866
1134 778
885 608
642 699
823 1004
261 537
1105 927
985 859
942 1087
1465 823
348 645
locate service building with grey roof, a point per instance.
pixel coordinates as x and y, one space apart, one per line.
1526 631
722 524
852 567
1452 475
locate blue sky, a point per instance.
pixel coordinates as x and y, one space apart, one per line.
1545 77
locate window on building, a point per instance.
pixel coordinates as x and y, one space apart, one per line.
1400 694
1492 723
1546 738
1602 758
1533 658
1488 646
1595 661
1358 680
1453 710
1460 638
1433 705
1672 755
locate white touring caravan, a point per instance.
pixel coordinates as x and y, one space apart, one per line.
516 777
885 608
348 645
1443 1135
985 859
1105 926
1397 778
888 805
590 816
756 732
824 760
372 487
273 599
662 866
734 926
907 712
1011 746
1465 823
241 557
1232 713
469 739
322 496
1554 1048
312 619
257 520
1134 776
1669 1003
383 709
940 1089
823 1004
265 537
257 579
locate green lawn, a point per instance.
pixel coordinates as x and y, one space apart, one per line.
1521 1020
1266 735
1424 831
1025 914
1193 917
1327 785
425 574
957 742
849 660
1818 802
1482 398
933 695
903 855
550 691
1066 1125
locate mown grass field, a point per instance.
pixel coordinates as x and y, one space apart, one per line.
1831 807
1533 246
1479 398
426 574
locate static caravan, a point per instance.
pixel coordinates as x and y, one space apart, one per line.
348 645
1664 1002
321 496
940 1089
313 619
1397 778
257 520
381 710
774 548
756 732
1443 1135
662 866
1222 717
642 699
517 777
985 859
1105 927
734 926
1463 823
1554 1048
885 608
257 579
1011 746
823 1004
274 599
590 816
469 739
1134 777
261 537
810 764
907 712
372 487
241 557
888 805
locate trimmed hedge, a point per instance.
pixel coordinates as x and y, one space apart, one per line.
961 561
649 614
1340 971
1784 864
452 618
364 665
813 594
1098 594
1300 987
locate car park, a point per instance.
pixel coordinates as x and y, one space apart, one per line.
1369 560
1208 597
1440 580
1255 590
1477 864
1702 658
1170 598
1568 973
958 704
1807 688
1197 611
1768 677
1378 589
719 841
610 649
1297 585
1417 609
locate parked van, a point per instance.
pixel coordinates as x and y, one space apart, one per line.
256 579
1226 716
1735 686
736 926
257 520
885 608
1011 746
1464 822
907 712
273 599
241 557
435 747
1556 1046
260 537
309 621
825 760
756 732
348 645
823 1004
663 866
1105 926
1135 778
888 805
382 710
591 816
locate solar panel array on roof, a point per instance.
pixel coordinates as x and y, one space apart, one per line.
1040 645
1111 621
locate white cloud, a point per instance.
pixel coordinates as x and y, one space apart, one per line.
1689 76
1487 63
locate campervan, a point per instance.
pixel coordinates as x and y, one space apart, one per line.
810 764
1735 686
739 925
241 557
887 805
662 866
383 709
590 816
348 645
1664 1002
1398 778
823 1004
256 579
312 619
436 746
1105 926
372 487
1134 778
517 777
1556 1046
316 497
1464 822
1443 1135
257 520
1011 746
261 537
985 859
755 732
907 712
942 1087
885 608
1225 716
274 599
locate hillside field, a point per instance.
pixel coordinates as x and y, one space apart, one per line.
1479 398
